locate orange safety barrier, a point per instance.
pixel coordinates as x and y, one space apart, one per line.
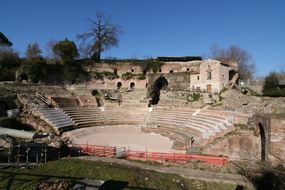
95 150
107 151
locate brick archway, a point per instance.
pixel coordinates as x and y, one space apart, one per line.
262 125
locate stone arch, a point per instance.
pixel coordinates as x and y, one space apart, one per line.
158 85
3 109
171 71
119 85
262 125
262 139
132 86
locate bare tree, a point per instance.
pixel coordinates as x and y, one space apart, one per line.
33 51
101 36
234 53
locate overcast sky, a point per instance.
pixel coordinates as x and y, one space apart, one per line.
156 27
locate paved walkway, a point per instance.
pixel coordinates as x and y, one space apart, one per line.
184 172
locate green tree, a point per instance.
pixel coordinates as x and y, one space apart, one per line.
33 52
35 72
66 50
9 62
102 35
271 86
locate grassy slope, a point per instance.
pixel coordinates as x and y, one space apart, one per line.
75 169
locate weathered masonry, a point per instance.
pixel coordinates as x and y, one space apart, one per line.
271 129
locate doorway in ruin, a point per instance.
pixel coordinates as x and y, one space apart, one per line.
262 142
132 86
159 84
119 85
3 109
209 88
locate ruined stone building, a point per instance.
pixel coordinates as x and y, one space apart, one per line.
181 73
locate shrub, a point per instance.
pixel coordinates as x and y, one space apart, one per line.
271 86
151 65
193 97
127 76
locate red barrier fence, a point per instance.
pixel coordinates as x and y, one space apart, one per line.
107 151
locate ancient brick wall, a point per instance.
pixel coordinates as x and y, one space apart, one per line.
277 142
176 81
120 68
191 66
113 84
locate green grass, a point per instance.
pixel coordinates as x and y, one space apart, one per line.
70 171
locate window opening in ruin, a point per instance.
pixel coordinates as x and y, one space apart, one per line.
3 110
132 86
188 69
209 75
198 77
158 85
132 70
144 72
263 141
119 85
231 74
115 71
171 71
23 77
159 70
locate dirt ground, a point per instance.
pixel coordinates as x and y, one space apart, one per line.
121 136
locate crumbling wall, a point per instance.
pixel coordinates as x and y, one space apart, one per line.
243 145
176 81
277 142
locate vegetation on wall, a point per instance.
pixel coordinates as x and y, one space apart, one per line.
193 97
127 76
100 75
150 65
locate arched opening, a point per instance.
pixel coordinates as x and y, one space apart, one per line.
132 86
231 74
159 70
119 85
3 109
263 142
171 71
115 71
23 77
158 85
188 69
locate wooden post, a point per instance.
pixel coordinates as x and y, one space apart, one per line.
18 156
45 155
27 156
37 158
145 154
